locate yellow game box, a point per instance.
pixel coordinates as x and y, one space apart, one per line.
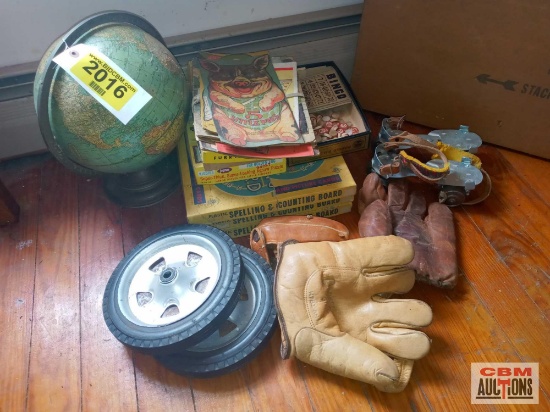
239 218
318 181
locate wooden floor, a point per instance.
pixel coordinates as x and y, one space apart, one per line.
56 353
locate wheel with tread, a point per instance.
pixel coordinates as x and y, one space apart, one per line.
173 289
242 336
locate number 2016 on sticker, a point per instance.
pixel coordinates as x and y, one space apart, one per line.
104 80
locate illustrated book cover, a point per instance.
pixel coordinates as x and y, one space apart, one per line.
246 100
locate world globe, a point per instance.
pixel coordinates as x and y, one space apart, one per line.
88 133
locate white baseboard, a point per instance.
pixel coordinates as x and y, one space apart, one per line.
309 39
19 132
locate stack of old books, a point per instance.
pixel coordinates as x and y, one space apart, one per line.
210 167
244 106
249 117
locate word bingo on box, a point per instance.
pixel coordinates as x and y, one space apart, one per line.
338 122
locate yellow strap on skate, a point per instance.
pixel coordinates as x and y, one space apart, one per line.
406 140
457 155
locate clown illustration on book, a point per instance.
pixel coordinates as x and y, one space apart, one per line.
247 102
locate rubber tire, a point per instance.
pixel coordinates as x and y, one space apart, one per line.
195 327
249 343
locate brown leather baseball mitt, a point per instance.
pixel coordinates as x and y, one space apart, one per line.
269 235
403 213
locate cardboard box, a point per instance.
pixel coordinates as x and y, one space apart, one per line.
442 64
327 93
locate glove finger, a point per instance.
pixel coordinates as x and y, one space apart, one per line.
397 194
375 220
404 314
410 313
346 356
372 190
413 228
399 342
372 254
378 266
443 268
397 281
417 204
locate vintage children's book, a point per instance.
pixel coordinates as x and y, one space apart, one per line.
211 145
210 157
322 181
267 152
229 172
202 117
287 73
246 99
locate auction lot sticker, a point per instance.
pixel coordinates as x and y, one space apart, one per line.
104 80
508 382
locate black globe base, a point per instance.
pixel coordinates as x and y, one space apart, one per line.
145 187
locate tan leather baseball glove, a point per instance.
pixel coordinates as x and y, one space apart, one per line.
333 316
403 212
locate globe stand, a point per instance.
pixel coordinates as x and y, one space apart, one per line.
145 187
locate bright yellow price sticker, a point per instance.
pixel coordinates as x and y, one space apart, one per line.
107 83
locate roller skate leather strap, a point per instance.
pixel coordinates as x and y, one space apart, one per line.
405 141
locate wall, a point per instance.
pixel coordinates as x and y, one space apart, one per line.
27 27
312 36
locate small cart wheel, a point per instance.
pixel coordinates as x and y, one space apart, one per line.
173 289
244 333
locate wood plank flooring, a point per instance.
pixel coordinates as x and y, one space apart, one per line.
56 354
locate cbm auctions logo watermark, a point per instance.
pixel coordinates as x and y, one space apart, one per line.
505 383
